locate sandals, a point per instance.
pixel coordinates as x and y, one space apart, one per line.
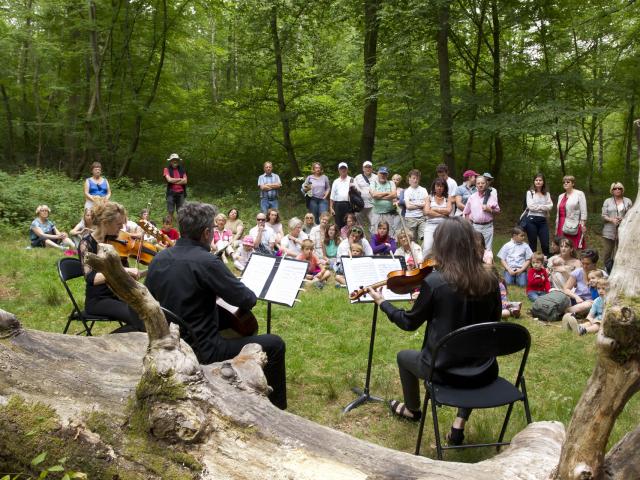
455 436
400 410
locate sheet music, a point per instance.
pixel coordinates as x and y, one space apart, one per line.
365 271
257 272
286 282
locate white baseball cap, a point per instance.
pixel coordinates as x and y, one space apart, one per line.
342 165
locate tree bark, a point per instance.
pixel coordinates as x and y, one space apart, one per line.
370 116
446 114
282 105
616 376
496 88
7 106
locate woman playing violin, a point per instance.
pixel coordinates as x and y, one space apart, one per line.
108 218
460 292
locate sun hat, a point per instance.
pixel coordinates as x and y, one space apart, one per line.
248 240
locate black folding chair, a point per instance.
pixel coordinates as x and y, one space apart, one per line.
69 269
480 341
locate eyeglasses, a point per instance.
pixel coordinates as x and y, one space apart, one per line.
616 188
261 219
357 230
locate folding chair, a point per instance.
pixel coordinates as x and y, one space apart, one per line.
69 269
480 341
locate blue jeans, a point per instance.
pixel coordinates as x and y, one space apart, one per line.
538 227
317 206
533 294
520 279
266 204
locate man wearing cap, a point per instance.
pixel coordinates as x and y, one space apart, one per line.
383 192
465 190
363 181
442 171
269 184
480 210
339 204
490 190
176 178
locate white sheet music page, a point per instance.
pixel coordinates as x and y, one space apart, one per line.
364 271
286 282
257 272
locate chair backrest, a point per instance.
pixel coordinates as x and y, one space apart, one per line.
486 340
68 269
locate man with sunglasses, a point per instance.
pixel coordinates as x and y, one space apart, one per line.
264 238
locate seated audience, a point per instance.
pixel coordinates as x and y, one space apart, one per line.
515 256
318 233
242 255
538 283
291 244
315 271
222 236
577 287
355 250
264 240
509 309
82 228
236 226
410 250
350 221
594 317
356 236
43 232
381 242
562 264
308 223
273 222
330 245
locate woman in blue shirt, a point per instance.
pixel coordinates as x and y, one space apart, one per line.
96 186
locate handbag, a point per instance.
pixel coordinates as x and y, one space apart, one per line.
570 226
524 217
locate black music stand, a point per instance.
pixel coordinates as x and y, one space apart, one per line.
268 317
363 394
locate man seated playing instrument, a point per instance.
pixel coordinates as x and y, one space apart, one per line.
187 279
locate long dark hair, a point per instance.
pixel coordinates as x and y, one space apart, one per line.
543 190
459 260
445 185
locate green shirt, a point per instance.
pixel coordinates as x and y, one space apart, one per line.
382 206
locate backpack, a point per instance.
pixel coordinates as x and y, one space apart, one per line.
550 307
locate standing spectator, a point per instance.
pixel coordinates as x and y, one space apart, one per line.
383 193
96 186
415 199
176 178
43 232
264 239
363 181
339 204
481 209
442 171
465 190
436 209
381 242
539 204
613 211
269 184
317 185
490 188
572 213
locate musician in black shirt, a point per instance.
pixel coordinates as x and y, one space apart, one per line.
187 279
459 292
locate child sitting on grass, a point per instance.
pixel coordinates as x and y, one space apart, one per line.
509 309
356 251
594 318
538 283
515 256
316 271
242 255
593 278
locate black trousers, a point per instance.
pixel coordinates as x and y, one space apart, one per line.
412 372
115 308
538 227
341 209
274 370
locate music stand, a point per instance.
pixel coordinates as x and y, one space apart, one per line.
370 270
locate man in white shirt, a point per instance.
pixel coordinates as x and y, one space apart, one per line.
415 198
363 181
339 204
443 172
263 237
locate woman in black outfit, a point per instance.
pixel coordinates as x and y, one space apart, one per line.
108 218
459 292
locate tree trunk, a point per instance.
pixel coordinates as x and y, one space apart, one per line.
496 88
446 114
629 137
213 76
7 106
370 117
22 76
282 105
616 376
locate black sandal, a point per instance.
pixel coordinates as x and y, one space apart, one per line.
455 436
400 410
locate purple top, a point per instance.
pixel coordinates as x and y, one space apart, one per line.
378 245
319 185
582 287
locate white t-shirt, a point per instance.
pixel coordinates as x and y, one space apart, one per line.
340 189
344 247
453 189
268 236
363 186
416 195
293 247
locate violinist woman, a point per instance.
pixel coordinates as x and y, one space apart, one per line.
459 292
108 218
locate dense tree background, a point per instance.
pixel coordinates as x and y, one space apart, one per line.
509 86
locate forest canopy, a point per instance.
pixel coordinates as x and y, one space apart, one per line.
507 86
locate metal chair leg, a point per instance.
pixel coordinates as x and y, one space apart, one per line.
436 429
424 415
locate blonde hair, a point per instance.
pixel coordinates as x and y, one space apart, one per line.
39 208
569 178
614 185
221 216
603 282
596 274
306 243
356 248
104 212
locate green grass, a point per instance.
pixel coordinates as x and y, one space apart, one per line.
327 344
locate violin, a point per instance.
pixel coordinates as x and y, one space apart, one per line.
400 281
127 246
